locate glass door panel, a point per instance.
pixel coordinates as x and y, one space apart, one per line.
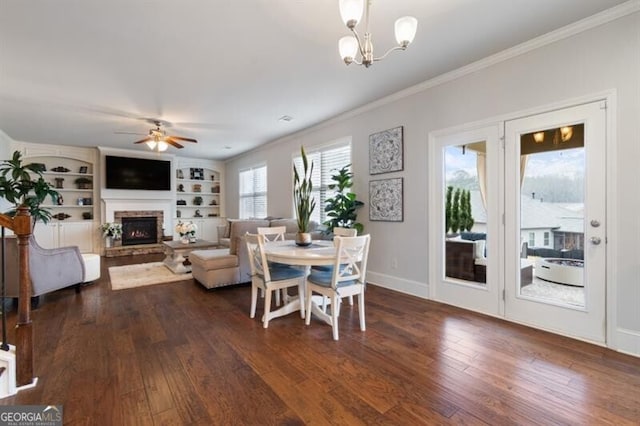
552 169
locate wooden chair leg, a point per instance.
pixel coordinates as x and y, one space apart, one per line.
267 307
302 299
361 311
254 300
335 310
307 318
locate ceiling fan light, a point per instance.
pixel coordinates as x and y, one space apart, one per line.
162 146
151 144
348 47
405 29
351 11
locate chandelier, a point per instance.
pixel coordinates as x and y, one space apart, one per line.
352 45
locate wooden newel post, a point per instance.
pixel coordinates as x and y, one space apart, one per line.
24 329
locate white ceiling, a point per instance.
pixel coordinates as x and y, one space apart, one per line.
74 72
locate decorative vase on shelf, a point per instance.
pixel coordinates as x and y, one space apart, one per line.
192 239
108 242
184 239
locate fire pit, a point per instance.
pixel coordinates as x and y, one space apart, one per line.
561 271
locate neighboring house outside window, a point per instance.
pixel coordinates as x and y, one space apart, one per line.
253 192
327 160
532 239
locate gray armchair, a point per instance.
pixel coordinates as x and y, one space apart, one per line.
50 269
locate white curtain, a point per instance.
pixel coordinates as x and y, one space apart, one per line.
481 165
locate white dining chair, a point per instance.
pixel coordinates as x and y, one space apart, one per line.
337 232
347 278
272 233
270 279
275 233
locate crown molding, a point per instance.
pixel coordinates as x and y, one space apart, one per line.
606 16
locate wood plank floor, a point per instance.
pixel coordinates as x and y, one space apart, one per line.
179 354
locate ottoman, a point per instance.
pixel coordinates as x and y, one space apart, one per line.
91 267
214 268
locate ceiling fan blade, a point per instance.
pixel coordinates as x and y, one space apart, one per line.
180 138
148 138
171 142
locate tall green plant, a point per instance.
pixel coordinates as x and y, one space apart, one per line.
463 211
341 208
447 209
455 211
469 216
20 188
302 189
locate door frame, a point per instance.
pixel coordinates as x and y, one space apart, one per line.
608 96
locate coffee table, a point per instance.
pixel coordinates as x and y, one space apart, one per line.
177 254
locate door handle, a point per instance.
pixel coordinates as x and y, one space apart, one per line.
595 240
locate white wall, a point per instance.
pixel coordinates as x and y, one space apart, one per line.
600 59
5 154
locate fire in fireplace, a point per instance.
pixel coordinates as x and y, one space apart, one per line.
139 230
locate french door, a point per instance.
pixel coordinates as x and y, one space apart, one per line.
466 271
534 249
559 285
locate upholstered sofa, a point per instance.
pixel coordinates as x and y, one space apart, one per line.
224 231
230 265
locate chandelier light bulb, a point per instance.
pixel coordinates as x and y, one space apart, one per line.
151 144
351 11
405 29
348 47
162 146
359 48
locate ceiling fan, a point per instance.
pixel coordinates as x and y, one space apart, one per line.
158 139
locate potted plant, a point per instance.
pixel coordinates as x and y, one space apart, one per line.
341 208
111 231
23 185
304 202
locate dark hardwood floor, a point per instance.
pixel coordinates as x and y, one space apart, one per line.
178 354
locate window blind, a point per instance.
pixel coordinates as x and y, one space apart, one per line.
253 192
326 162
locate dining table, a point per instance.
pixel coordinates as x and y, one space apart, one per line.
320 252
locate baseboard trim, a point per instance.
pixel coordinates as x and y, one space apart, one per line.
628 342
413 288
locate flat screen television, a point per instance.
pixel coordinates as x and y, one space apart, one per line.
137 173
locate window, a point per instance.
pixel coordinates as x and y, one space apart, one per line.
326 161
253 192
532 239
546 239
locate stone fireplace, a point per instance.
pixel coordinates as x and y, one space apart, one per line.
141 232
